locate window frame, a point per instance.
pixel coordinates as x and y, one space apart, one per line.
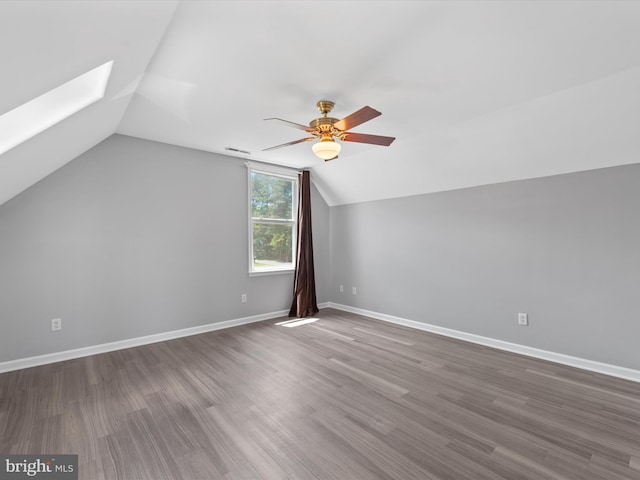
288 174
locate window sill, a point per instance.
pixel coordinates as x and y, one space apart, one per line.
262 273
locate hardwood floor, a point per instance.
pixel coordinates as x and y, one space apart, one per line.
346 397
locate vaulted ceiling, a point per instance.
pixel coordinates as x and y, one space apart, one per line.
475 92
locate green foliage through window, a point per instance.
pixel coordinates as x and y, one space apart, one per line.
272 244
271 197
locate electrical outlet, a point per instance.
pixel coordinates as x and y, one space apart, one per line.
353 290
243 298
523 319
341 288
56 324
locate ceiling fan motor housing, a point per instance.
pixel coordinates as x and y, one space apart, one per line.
324 128
322 123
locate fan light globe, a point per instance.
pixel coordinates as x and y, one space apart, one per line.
326 149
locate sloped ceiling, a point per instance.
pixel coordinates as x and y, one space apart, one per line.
476 92
44 44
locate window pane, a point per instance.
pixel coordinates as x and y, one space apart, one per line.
271 196
272 245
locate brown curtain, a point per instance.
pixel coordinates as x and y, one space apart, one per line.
304 302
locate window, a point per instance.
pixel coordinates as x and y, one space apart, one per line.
273 209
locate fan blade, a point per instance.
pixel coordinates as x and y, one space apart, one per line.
292 124
356 118
372 139
290 143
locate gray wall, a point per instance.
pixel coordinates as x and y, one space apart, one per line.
564 249
320 221
133 238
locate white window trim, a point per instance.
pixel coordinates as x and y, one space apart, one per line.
289 174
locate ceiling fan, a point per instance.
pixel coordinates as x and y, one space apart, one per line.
327 129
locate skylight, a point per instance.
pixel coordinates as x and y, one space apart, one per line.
35 116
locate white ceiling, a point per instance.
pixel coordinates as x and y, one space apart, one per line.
475 92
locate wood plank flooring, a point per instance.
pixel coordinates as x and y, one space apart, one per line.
346 397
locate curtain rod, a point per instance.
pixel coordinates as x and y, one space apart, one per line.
249 163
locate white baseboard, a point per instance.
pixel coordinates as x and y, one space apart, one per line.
590 365
134 342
